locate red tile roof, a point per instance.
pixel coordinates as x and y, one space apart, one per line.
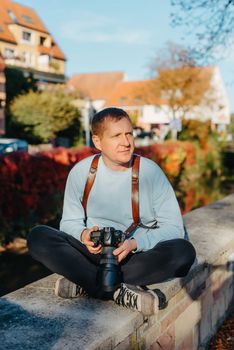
95 85
134 93
24 15
5 34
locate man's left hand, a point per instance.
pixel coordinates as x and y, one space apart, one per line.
125 248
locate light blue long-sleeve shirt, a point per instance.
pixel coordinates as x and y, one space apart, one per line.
109 202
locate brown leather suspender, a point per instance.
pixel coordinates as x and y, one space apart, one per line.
135 189
90 181
135 194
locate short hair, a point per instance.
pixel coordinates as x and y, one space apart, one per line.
98 120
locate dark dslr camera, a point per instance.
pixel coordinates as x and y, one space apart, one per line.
109 275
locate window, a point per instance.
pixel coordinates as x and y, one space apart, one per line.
27 19
122 99
26 36
9 53
42 40
12 15
137 99
171 93
28 58
43 60
1 29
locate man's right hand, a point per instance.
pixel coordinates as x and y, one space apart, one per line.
85 239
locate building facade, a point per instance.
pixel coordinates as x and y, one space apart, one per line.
26 43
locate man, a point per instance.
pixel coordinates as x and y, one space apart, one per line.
156 249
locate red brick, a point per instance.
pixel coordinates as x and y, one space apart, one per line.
175 313
166 341
187 343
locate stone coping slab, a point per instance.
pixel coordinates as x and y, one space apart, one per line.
34 318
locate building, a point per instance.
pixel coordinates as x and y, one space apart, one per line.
26 43
151 104
2 96
95 87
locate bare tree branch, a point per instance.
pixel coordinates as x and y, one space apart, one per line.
208 23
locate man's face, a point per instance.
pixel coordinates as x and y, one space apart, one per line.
116 143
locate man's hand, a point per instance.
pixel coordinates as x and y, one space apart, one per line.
125 248
85 239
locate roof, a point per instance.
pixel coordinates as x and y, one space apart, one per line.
132 93
15 13
138 93
95 85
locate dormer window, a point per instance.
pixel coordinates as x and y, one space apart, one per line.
27 19
12 15
137 99
122 99
26 36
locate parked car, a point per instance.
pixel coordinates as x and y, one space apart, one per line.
12 145
146 134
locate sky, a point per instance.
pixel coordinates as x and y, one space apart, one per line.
123 35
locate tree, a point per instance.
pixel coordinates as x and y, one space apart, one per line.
16 83
45 115
210 22
179 84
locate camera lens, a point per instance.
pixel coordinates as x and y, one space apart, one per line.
109 275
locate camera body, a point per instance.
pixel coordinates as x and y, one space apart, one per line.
109 274
107 237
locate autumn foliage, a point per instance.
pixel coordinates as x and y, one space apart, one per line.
32 186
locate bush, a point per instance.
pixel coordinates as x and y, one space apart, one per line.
45 115
32 187
193 172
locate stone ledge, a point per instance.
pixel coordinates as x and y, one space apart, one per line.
33 318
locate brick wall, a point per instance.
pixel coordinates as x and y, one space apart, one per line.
192 315
196 310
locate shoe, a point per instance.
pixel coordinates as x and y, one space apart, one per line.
67 289
135 298
162 300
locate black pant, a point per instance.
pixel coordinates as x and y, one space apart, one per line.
65 255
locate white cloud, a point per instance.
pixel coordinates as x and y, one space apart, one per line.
91 28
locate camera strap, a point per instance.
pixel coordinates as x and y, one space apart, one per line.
135 191
135 194
90 181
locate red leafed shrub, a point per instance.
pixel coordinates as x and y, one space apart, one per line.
191 170
32 186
